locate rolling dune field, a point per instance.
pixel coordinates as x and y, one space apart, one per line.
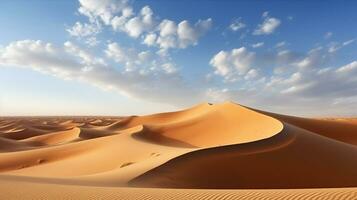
209 151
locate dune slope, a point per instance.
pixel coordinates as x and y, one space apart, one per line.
208 146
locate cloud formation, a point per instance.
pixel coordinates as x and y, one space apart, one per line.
300 81
237 25
269 25
154 81
232 64
120 16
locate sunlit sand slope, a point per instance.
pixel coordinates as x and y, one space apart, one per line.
208 146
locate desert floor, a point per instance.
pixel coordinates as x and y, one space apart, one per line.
209 151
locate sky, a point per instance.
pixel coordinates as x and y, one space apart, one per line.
127 57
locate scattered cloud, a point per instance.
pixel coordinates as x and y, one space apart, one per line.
303 81
102 10
86 32
232 64
120 16
293 79
237 25
269 25
335 46
280 44
83 29
155 78
182 35
144 61
257 45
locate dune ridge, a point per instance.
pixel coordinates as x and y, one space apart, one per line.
208 146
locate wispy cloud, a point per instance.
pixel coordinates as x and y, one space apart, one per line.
269 25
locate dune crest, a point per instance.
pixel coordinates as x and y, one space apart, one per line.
208 125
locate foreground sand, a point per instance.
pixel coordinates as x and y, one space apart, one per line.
208 147
30 190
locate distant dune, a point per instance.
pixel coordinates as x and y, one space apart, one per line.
226 151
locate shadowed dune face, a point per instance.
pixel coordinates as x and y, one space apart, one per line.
295 158
221 146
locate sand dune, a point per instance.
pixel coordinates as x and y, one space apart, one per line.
209 146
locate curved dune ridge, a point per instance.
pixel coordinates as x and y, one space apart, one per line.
208 146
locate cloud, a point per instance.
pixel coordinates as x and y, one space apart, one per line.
160 83
280 44
35 54
182 35
188 35
321 83
257 45
303 84
139 24
83 30
150 39
349 68
335 46
144 61
237 25
103 10
232 64
86 32
269 25
301 92
120 16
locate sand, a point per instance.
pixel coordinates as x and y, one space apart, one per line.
211 151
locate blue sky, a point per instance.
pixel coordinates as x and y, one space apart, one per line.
118 57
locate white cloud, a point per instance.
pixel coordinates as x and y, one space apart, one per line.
349 68
160 83
144 61
118 22
188 35
145 25
335 46
104 9
269 25
280 44
92 41
167 27
83 29
252 73
35 54
231 64
313 59
86 58
142 23
180 36
303 85
86 32
237 25
257 45
348 42
150 39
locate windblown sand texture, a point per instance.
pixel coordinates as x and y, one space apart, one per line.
220 151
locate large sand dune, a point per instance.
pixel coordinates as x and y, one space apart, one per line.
224 146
